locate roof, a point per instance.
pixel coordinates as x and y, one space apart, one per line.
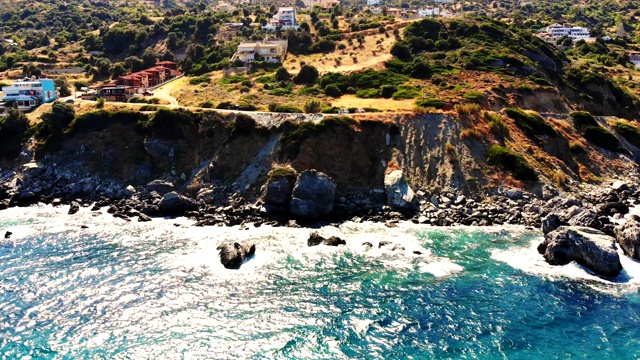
19 98
285 9
165 63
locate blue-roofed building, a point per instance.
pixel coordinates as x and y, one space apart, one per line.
27 94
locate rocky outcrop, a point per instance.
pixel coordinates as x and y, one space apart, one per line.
628 236
586 218
588 247
277 193
315 239
234 254
400 196
161 187
550 223
174 203
313 195
390 245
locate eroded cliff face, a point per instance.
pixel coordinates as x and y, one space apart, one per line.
437 152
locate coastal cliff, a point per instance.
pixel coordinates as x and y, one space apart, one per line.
216 158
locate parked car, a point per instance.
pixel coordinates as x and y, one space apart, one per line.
343 111
147 93
361 110
69 101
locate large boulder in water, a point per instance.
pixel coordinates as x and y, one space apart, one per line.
400 196
628 236
233 254
313 195
174 204
586 246
315 239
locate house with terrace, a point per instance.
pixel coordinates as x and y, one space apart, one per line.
285 18
127 86
27 94
267 50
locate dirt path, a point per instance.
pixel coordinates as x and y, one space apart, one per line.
165 91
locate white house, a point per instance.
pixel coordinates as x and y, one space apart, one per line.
429 12
268 50
575 32
285 19
373 2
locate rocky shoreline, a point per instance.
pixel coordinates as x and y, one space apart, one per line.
578 226
314 202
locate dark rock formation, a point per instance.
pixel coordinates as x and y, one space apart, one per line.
315 239
233 254
586 218
550 223
588 247
174 204
7 234
277 193
390 245
400 196
628 236
74 207
160 187
313 195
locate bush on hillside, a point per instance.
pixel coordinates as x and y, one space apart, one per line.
533 125
60 116
582 119
507 160
431 103
629 132
307 75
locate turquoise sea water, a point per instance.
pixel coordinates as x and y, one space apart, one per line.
156 291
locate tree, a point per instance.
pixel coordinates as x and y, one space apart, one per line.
332 90
59 117
335 24
307 75
282 74
401 51
15 123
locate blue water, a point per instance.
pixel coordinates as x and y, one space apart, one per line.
155 290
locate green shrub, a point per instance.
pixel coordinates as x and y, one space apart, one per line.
507 160
100 103
582 119
312 107
630 133
332 90
311 90
101 119
431 103
369 93
601 137
207 105
387 91
280 172
200 80
533 125
281 92
496 124
287 109
594 133
232 80
473 95
405 92
266 79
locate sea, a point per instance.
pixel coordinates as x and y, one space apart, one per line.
91 286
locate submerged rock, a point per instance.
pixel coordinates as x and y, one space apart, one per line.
390 245
313 195
233 254
400 196
315 239
588 247
628 236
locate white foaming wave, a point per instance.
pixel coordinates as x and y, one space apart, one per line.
528 260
